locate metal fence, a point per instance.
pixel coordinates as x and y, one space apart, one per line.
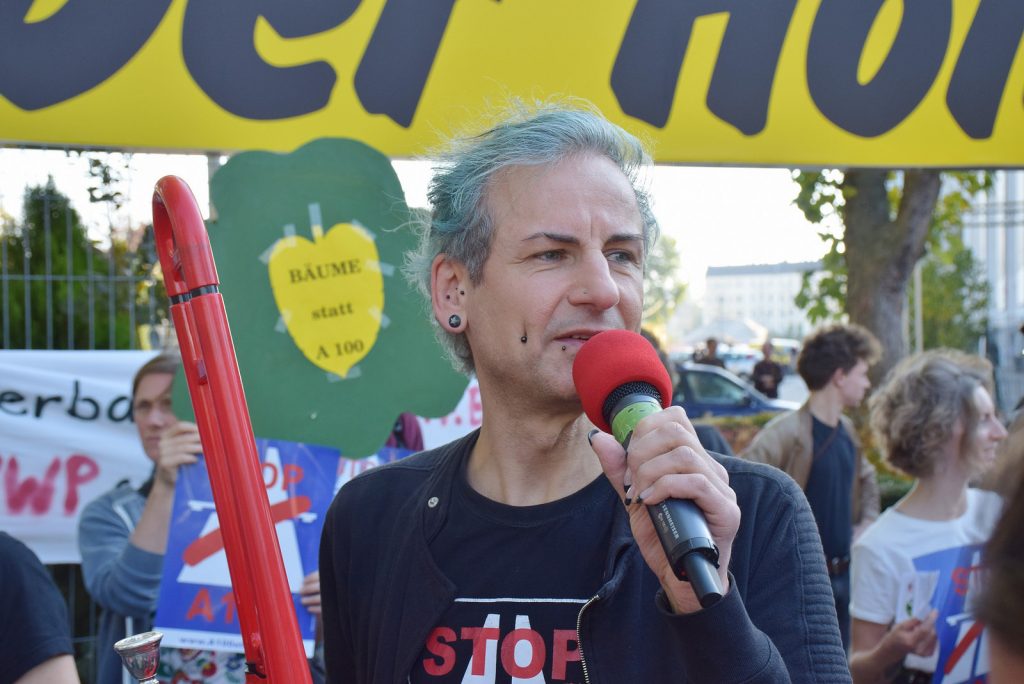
63 286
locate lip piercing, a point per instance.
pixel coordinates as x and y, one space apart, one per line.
523 339
454 321
563 347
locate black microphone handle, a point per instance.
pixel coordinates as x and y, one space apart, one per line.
680 523
683 533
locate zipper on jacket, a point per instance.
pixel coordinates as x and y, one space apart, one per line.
579 637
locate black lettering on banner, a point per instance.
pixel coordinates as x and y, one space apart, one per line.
647 68
76 400
12 397
125 412
834 53
80 46
220 53
979 80
399 56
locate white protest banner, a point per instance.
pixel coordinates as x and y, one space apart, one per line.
467 416
66 437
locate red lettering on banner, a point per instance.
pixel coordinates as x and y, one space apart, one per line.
273 475
437 645
962 577
480 637
80 470
201 605
476 408
292 475
229 606
38 495
537 653
561 655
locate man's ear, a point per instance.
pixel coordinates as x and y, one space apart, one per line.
448 281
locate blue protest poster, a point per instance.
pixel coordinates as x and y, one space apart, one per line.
196 608
962 653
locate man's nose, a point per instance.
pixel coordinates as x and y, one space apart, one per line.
595 285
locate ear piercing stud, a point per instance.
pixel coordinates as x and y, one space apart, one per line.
454 321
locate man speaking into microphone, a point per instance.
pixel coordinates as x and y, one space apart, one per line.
528 550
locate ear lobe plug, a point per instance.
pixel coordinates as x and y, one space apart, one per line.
454 321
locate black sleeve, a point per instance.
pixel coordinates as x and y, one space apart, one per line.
338 655
781 566
35 625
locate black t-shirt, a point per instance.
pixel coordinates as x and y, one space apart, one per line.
35 620
829 488
522 575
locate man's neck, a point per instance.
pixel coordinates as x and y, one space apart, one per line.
826 406
524 460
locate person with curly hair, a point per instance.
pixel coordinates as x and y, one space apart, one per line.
914 570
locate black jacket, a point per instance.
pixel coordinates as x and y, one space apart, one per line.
383 594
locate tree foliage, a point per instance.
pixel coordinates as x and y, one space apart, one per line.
61 289
887 221
663 287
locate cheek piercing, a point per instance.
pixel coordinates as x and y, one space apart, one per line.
454 321
523 339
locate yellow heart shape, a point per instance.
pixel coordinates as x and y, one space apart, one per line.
330 293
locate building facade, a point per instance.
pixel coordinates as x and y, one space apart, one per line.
763 293
994 231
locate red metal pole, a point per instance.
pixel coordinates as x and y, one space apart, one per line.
270 632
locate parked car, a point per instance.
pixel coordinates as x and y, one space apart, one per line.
708 390
741 361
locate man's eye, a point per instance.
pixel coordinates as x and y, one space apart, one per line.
551 255
623 256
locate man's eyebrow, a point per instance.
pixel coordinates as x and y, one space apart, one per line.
555 237
573 240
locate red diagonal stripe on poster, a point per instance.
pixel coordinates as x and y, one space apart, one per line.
969 638
211 543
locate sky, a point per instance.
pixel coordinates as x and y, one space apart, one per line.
719 216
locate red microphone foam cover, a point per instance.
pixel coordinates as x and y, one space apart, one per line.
611 359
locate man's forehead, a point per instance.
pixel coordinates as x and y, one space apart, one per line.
514 190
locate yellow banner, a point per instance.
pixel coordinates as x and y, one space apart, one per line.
761 82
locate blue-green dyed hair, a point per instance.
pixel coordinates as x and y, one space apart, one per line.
459 224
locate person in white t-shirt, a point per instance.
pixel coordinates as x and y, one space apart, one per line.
914 573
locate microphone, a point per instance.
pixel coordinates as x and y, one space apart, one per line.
620 380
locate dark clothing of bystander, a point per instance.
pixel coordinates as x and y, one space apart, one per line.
35 625
828 493
767 377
